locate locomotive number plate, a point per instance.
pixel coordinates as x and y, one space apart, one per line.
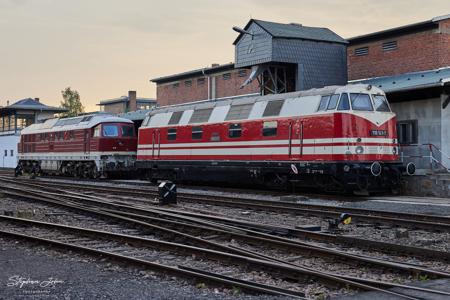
378 133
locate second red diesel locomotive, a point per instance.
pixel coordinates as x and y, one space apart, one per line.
336 138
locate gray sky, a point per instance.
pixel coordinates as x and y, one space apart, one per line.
103 48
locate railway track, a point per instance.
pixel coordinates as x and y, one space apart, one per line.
256 259
234 232
167 218
421 221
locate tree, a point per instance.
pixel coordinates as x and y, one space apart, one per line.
71 102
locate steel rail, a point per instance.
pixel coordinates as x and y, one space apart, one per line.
265 238
428 222
179 270
263 263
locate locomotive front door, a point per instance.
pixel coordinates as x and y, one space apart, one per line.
156 144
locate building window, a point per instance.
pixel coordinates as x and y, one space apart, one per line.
201 115
269 128
175 118
407 132
226 76
273 108
200 81
6 153
175 85
234 130
171 134
188 83
388 46
362 51
242 73
12 152
197 133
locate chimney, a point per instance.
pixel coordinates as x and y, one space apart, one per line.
36 99
132 102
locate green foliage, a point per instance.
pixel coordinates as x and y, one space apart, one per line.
71 102
201 285
423 277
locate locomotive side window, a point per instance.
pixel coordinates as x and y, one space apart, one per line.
380 103
127 131
361 102
269 128
234 130
171 134
110 131
344 104
323 103
97 131
197 133
333 102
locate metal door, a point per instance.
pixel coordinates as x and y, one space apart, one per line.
300 137
156 144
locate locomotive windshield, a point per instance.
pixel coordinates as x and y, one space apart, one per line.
110 130
361 102
127 131
380 103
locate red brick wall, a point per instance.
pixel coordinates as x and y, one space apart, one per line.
168 94
415 52
231 87
444 47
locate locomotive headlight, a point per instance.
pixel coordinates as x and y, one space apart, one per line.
359 150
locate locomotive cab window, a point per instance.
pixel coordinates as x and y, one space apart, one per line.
344 103
110 131
197 133
361 102
380 103
127 131
333 102
234 130
323 103
269 128
171 134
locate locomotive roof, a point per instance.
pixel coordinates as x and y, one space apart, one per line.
328 90
80 122
251 107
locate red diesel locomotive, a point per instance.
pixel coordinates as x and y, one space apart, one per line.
86 146
337 138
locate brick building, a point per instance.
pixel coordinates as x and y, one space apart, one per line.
411 48
269 58
126 104
217 81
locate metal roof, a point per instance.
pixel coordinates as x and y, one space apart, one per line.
135 115
296 31
396 31
194 73
409 81
126 99
32 104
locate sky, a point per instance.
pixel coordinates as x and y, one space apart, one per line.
104 48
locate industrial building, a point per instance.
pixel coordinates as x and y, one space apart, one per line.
126 104
15 117
412 65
